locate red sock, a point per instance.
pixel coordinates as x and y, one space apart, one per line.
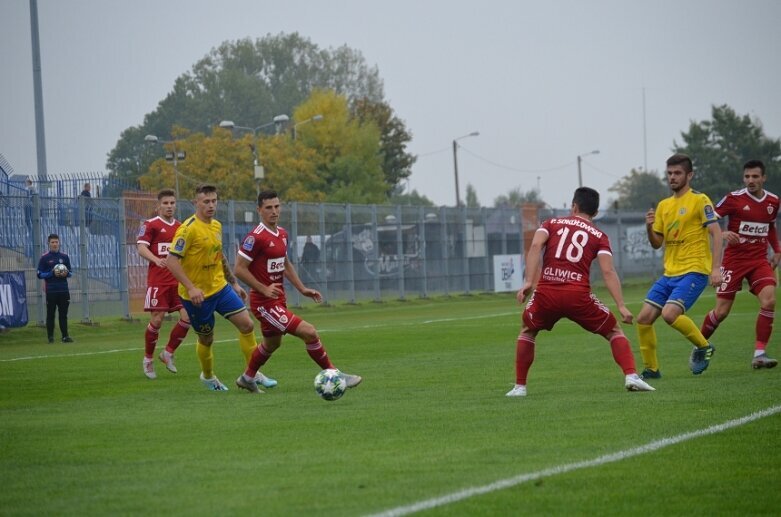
524 357
622 354
764 327
709 324
318 354
259 357
178 334
150 340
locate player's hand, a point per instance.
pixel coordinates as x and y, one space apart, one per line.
626 315
731 237
775 259
313 294
524 292
160 262
716 278
650 216
240 291
196 296
272 291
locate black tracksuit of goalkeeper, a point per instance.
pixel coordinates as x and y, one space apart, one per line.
57 293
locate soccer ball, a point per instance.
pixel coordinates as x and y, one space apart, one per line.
330 384
60 270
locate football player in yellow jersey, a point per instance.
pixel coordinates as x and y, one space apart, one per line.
206 284
686 224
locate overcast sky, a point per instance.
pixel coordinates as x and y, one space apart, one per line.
543 81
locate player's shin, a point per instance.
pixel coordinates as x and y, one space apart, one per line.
689 330
622 354
524 357
206 358
646 335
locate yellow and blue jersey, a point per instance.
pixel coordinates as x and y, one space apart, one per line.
199 247
683 221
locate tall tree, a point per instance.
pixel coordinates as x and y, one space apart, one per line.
323 154
396 161
719 148
248 82
640 190
471 197
517 197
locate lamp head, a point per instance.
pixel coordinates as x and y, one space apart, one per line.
227 124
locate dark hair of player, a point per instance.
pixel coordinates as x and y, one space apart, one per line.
755 164
587 200
681 159
166 192
266 194
205 189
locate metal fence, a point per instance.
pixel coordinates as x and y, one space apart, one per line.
364 253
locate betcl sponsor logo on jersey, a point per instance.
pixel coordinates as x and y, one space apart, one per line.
754 229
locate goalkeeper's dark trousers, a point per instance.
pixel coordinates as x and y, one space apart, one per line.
57 302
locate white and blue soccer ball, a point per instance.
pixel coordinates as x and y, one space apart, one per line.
60 270
330 384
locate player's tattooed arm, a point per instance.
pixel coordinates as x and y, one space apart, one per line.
226 270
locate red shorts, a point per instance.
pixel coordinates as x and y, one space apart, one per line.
758 274
547 306
274 317
163 298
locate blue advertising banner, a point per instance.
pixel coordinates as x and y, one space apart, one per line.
13 299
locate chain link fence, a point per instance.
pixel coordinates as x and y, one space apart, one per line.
356 253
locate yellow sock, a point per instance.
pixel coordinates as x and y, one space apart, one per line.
646 335
206 358
686 326
248 344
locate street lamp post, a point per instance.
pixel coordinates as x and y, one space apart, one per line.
258 171
315 118
455 162
580 159
152 139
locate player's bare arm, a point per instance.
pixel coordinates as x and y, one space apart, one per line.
174 265
717 250
533 265
655 239
292 275
144 252
613 285
772 238
241 269
226 270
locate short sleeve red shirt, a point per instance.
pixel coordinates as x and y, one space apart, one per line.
752 219
266 249
573 244
157 234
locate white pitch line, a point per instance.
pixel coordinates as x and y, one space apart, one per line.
342 329
569 467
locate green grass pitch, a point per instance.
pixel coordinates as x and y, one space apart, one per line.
83 432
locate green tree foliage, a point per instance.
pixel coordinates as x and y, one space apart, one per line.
250 82
413 198
640 190
396 161
471 197
335 159
516 197
719 148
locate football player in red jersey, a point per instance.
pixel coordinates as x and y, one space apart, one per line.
262 264
752 213
557 278
154 240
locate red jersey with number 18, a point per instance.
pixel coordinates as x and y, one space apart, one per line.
266 249
157 234
573 244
